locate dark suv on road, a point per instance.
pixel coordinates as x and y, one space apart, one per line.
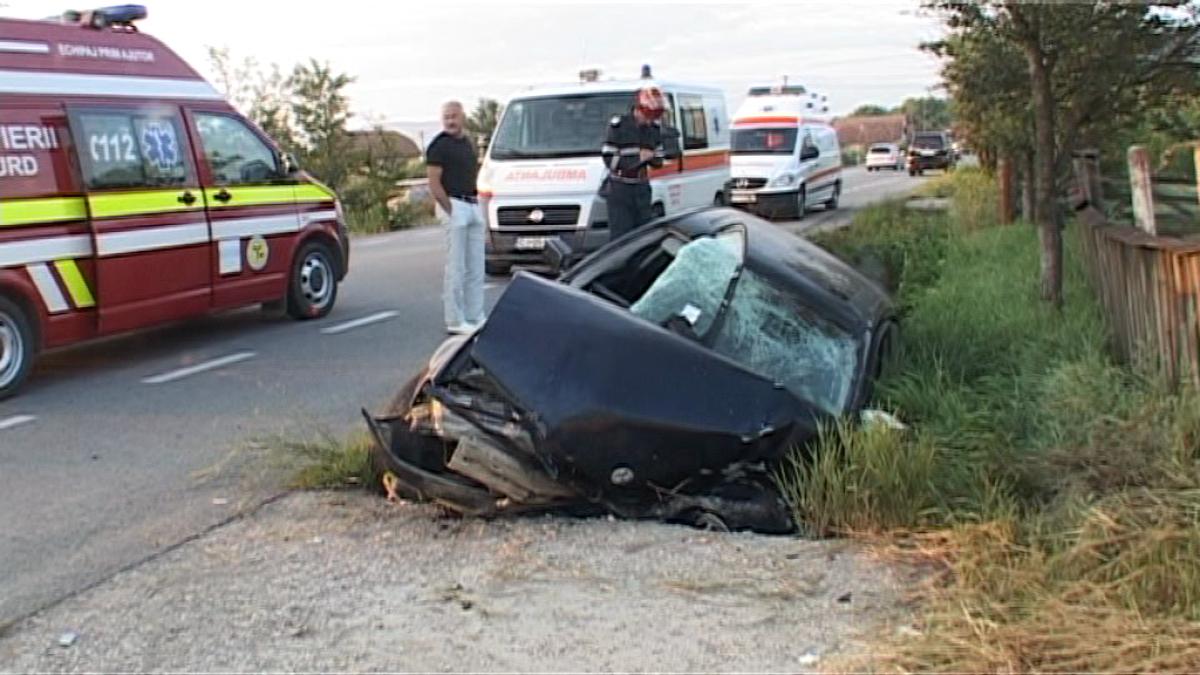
930 150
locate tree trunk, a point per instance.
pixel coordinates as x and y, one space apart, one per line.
1044 212
1028 186
1005 177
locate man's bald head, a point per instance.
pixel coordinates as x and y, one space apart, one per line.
453 118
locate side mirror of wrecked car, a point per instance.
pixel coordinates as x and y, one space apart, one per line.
557 255
671 146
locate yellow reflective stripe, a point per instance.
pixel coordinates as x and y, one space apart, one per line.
115 204
252 195
76 285
15 212
314 192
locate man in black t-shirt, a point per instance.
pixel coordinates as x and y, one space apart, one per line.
453 166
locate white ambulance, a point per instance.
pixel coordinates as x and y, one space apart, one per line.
785 156
542 172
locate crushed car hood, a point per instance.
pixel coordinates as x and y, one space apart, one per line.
604 392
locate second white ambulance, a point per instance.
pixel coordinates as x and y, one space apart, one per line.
542 172
785 155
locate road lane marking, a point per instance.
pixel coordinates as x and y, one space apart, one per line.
204 366
359 323
15 421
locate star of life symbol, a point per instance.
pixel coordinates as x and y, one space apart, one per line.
159 146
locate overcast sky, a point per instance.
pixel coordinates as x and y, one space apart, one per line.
407 58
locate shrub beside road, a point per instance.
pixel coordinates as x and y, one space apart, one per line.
1053 493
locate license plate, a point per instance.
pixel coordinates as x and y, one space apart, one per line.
743 198
928 153
531 243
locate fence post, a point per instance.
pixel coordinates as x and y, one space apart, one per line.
1087 176
1196 159
1142 194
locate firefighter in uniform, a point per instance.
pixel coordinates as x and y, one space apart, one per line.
634 145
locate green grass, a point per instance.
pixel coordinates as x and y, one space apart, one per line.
326 462
1058 490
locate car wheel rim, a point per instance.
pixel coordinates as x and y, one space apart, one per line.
12 350
316 281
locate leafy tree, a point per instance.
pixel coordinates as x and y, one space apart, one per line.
482 121
928 113
321 111
870 110
1091 66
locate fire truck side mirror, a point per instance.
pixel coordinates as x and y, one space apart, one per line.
290 166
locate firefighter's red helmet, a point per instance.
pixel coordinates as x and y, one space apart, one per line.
650 102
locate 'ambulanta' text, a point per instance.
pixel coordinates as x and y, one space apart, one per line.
24 138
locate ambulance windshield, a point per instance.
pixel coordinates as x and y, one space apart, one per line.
763 141
557 126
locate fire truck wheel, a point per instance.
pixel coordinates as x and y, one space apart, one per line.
313 287
17 346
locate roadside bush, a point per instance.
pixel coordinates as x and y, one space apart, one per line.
1057 492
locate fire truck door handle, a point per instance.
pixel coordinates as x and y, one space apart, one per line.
187 198
223 196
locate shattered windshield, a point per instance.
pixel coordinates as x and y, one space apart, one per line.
694 285
769 332
764 328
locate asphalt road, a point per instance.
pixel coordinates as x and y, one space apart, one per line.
120 449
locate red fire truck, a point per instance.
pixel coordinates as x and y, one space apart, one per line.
132 194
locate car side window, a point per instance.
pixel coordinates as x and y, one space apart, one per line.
130 148
695 122
234 153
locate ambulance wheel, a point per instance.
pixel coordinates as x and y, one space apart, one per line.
832 203
18 340
719 199
801 203
313 286
658 210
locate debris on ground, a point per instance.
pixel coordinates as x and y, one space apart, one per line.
398 587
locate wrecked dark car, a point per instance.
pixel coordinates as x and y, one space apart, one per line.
664 376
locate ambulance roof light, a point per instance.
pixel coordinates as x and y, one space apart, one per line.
117 15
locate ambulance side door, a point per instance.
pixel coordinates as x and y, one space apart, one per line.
146 214
251 205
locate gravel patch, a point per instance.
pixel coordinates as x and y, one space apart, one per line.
348 582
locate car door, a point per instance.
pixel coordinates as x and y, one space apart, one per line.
147 214
810 168
696 159
251 205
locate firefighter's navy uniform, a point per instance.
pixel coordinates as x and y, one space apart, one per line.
629 179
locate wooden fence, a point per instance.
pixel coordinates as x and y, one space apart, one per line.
1148 284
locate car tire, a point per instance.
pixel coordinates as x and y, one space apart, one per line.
18 346
658 211
497 269
801 203
312 285
835 199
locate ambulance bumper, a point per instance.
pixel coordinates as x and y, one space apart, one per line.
526 249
